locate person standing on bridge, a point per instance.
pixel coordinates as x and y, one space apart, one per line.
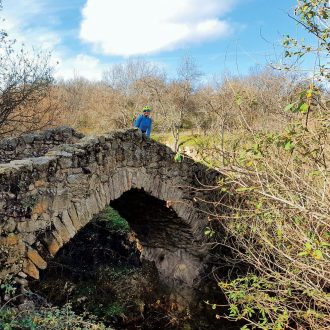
144 122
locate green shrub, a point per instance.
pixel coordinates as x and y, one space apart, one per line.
47 319
114 221
114 309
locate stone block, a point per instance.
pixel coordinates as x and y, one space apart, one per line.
101 197
77 179
117 185
29 238
82 212
62 230
92 205
31 226
39 183
35 257
28 138
9 225
61 200
106 190
74 217
125 180
66 220
10 240
22 274
94 181
42 163
53 243
30 269
99 200
65 162
41 207
111 189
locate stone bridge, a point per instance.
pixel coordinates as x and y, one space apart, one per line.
53 183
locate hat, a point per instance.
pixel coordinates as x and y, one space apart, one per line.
147 109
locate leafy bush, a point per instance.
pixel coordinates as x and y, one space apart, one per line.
275 212
114 310
115 222
29 317
46 318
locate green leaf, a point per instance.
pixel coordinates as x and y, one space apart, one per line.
289 106
259 205
325 244
233 310
238 99
209 232
178 157
279 233
318 255
304 108
244 327
287 54
314 173
289 145
308 247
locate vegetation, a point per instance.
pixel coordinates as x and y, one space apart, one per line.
313 16
276 222
113 220
275 209
45 317
268 132
27 95
51 318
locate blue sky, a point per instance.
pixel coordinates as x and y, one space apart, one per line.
86 37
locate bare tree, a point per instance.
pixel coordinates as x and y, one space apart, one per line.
127 79
25 87
181 97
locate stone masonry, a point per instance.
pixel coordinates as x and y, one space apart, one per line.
36 144
46 200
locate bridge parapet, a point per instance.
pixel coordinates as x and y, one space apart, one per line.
36 144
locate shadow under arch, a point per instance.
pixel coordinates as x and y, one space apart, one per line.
165 238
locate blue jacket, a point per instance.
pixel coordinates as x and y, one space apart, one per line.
144 124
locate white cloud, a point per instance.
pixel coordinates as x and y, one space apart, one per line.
79 66
115 27
136 27
19 19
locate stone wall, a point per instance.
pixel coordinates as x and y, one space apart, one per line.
45 200
36 144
